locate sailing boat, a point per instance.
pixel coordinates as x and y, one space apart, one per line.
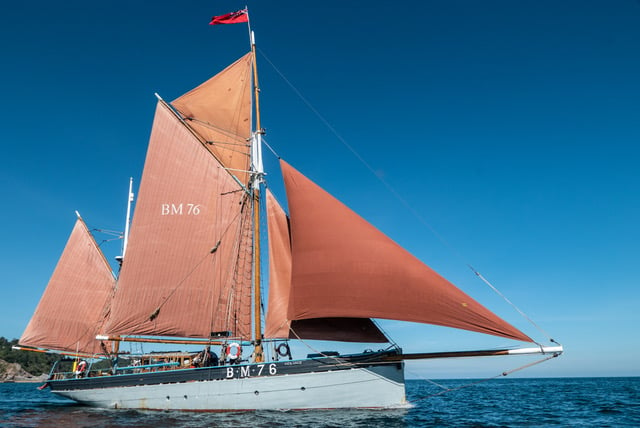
192 275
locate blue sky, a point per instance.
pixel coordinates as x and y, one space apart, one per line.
511 128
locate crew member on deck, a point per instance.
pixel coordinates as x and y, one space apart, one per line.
206 358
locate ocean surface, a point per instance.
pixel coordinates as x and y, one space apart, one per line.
589 402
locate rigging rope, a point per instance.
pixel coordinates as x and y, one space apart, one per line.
340 362
264 141
118 235
393 191
479 275
467 385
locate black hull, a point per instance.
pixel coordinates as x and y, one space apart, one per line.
371 361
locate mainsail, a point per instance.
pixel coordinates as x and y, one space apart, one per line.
342 266
73 305
187 272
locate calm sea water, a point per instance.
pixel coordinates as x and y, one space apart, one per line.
598 402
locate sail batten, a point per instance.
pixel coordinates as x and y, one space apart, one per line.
73 306
342 266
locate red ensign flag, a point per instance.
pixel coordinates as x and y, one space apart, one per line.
231 18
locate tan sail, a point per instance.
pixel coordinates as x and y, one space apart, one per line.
276 322
277 325
72 307
219 110
342 266
187 270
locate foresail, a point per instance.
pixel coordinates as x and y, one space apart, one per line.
187 270
342 266
72 308
219 110
276 321
277 324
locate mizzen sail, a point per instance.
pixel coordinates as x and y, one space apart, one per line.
72 307
342 266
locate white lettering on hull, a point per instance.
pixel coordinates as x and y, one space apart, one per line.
251 371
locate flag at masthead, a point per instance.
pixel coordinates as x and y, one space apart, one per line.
231 18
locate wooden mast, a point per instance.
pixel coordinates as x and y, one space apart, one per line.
257 178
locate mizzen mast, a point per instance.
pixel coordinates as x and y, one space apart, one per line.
128 219
127 223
